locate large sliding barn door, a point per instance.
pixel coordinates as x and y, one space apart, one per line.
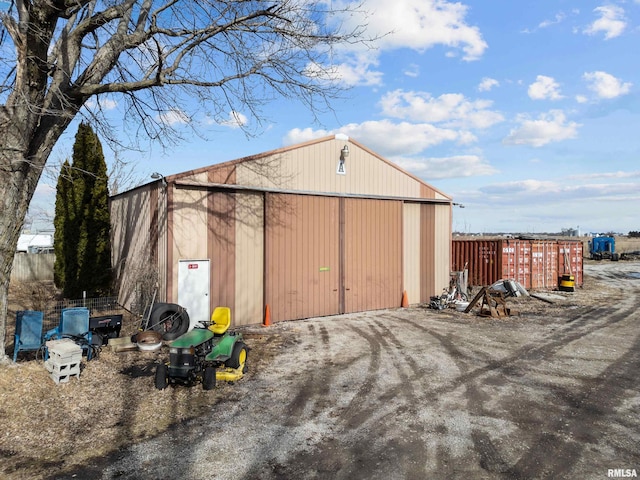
372 254
328 255
302 267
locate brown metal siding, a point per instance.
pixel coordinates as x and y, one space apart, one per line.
312 167
130 240
442 248
221 219
249 252
536 264
301 256
427 257
372 254
411 249
162 248
189 229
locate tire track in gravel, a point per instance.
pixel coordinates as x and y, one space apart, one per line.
317 382
527 353
354 414
341 456
535 463
397 352
553 455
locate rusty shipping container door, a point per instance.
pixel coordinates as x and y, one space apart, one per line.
482 257
544 264
570 259
372 254
516 261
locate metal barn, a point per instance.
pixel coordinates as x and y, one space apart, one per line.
320 228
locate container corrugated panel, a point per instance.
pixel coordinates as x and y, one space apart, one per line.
544 264
516 261
481 258
536 264
570 259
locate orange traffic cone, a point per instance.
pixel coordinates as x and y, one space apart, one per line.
405 300
267 317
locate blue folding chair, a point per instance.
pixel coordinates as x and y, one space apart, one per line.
74 324
28 335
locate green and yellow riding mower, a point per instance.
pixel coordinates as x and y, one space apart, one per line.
205 355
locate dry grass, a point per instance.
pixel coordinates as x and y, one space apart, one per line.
49 427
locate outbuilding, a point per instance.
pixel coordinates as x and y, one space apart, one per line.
315 229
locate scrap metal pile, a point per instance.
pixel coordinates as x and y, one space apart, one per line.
492 299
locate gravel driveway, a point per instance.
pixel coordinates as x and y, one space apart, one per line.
417 394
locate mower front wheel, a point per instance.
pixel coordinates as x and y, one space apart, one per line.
209 378
238 355
161 377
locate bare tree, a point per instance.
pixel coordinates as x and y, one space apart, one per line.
161 57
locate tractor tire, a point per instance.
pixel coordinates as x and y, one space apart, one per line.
162 312
209 378
161 377
238 355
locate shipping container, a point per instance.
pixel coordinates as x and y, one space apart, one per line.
535 264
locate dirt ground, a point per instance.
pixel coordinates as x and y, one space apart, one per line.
396 394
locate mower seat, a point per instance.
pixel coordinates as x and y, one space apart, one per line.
220 320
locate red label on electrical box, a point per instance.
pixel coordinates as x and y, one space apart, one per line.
193 266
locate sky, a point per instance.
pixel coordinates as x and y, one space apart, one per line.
527 113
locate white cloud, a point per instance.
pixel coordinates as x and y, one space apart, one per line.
430 23
606 85
612 22
358 72
544 88
487 84
553 191
522 187
549 127
235 120
412 70
102 103
607 175
451 109
173 117
301 135
388 138
450 167
581 99
559 17
352 68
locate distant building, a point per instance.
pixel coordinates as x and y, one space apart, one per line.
35 243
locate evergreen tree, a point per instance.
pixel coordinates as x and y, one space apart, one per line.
82 215
65 251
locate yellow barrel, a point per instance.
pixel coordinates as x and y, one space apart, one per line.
568 283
